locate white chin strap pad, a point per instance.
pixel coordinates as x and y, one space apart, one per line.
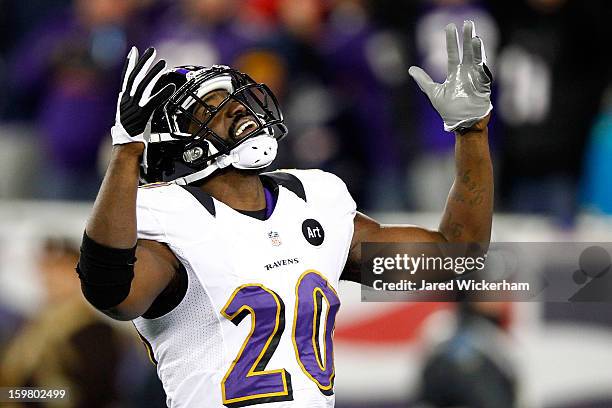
255 153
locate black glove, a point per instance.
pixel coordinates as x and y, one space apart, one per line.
135 104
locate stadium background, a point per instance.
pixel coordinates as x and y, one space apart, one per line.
340 70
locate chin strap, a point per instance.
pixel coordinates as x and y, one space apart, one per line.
255 153
198 175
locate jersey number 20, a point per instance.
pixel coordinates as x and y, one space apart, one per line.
247 382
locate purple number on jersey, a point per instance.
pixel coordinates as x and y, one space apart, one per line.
247 382
316 360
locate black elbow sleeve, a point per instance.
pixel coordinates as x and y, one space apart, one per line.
106 273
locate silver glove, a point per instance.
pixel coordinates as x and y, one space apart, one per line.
465 96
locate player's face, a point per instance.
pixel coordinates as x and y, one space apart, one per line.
232 123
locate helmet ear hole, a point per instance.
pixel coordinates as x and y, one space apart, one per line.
160 161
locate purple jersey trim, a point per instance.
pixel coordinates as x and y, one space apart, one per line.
270 202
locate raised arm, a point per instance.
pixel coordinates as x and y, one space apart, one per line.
119 277
463 101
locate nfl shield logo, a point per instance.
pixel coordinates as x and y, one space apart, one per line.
274 238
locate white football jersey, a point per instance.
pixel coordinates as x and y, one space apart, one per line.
256 324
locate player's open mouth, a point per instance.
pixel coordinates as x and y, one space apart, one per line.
247 126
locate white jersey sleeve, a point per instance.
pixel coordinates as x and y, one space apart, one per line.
327 191
149 215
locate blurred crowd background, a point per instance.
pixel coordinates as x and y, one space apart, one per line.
339 68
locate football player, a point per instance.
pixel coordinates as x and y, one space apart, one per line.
230 275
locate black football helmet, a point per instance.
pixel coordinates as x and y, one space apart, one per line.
181 146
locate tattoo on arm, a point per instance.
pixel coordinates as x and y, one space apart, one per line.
475 196
458 197
454 228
